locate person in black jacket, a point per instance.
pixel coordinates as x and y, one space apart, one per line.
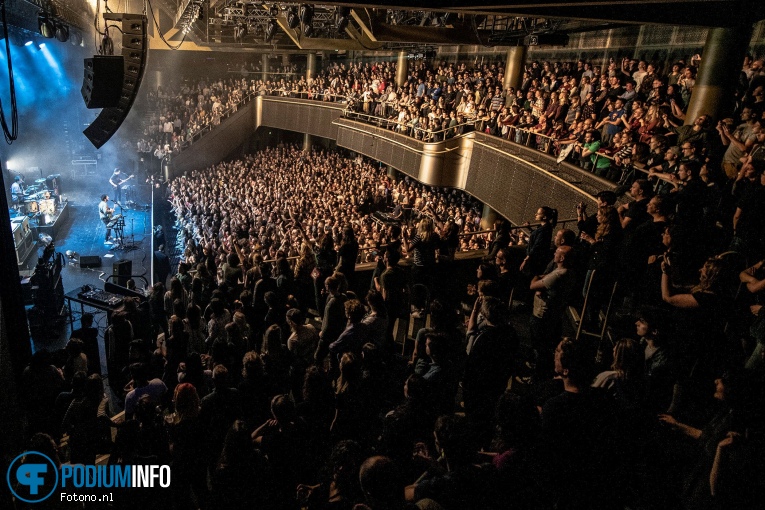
538 248
491 346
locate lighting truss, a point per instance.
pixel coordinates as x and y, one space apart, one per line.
257 16
189 14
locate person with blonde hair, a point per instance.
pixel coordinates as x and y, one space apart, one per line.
625 379
423 248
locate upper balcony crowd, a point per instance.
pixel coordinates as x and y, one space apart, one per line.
625 106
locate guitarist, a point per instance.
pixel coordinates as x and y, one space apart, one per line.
105 213
117 180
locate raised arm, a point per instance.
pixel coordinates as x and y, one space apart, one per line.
667 290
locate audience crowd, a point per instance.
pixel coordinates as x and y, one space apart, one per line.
631 109
657 402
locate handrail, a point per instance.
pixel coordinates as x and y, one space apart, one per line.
269 73
246 98
319 95
393 124
469 234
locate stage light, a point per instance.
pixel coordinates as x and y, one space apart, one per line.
270 30
446 18
342 18
76 38
292 18
62 33
306 14
45 25
306 18
274 10
41 45
28 43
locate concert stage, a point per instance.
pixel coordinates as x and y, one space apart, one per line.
79 230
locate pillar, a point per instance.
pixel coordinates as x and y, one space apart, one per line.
307 142
724 51
310 68
488 217
15 347
392 173
514 61
401 69
264 66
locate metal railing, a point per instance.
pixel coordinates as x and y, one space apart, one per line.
408 129
246 98
463 235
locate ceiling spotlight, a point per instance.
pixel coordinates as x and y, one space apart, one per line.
308 30
306 14
342 14
28 43
270 30
45 25
292 18
446 19
274 10
75 38
62 33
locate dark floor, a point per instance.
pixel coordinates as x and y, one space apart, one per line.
82 232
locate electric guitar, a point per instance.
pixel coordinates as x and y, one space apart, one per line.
123 181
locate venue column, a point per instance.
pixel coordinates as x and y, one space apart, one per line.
310 68
264 66
401 69
720 67
307 142
488 217
514 61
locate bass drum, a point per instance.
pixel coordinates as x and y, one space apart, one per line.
32 206
48 206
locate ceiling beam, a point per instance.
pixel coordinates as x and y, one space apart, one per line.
374 27
707 13
317 43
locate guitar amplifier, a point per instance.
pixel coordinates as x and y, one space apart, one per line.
122 271
90 261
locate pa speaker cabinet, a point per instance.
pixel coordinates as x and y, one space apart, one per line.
134 54
90 261
102 83
122 271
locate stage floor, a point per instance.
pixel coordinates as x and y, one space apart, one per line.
82 232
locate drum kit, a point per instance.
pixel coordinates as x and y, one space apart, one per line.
41 199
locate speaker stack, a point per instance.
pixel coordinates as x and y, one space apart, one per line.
122 271
112 82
